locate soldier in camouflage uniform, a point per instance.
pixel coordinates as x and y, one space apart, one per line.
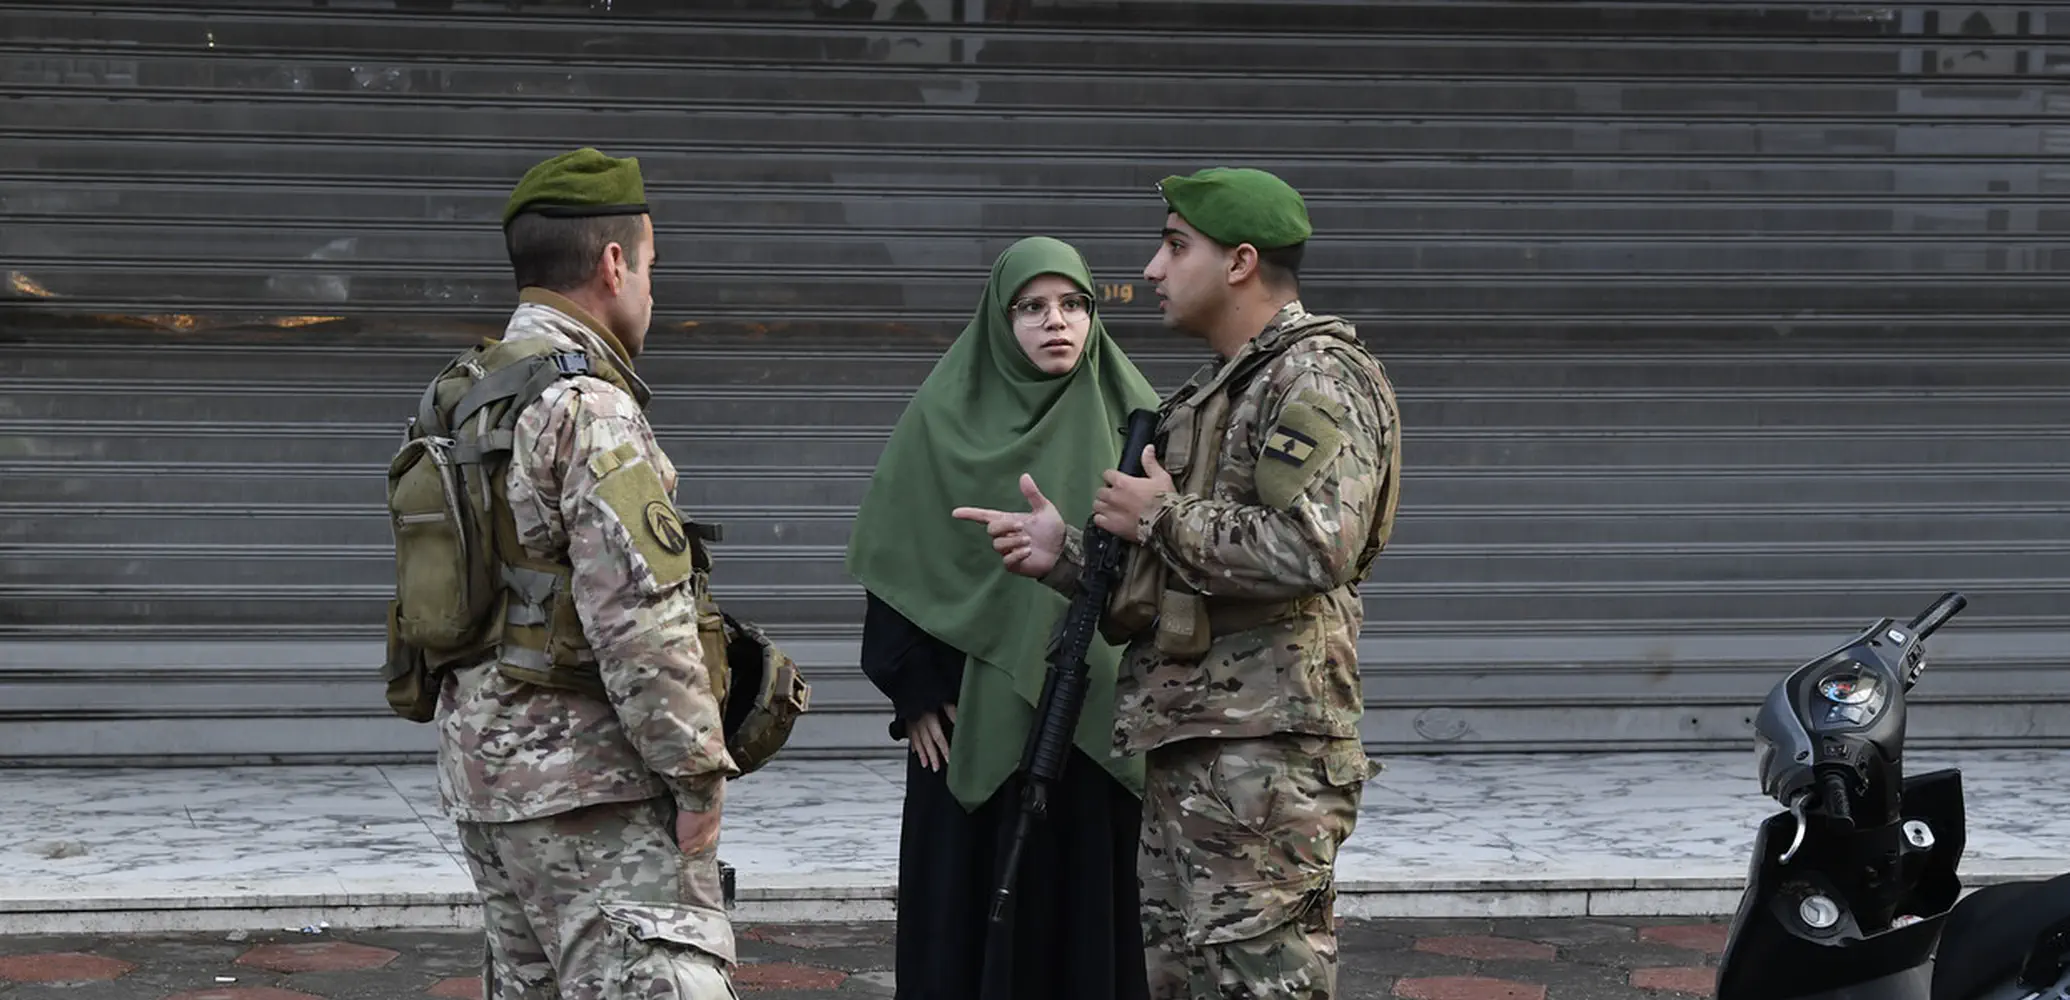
1272 490
591 824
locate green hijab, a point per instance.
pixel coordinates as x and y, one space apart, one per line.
985 415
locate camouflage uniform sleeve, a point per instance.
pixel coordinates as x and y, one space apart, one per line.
1319 462
633 590
1064 577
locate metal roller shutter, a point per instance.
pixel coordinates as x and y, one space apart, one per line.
1718 327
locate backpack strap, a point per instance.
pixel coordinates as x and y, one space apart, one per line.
531 590
520 383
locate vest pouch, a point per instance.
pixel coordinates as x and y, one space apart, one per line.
1133 604
566 644
442 587
714 645
1183 631
412 685
541 630
1190 436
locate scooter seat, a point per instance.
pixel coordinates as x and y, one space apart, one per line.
1988 934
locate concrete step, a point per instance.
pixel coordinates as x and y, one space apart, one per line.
689 410
819 447
785 248
491 165
1960 491
1464 606
235 520
748 208
75 64
678 364
1588 562
429 205
957 131
1284 39
890 293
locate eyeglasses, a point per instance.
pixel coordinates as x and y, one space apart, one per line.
1033 310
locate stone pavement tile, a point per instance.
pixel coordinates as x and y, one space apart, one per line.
1365 988
382 984
458 988
880 983
118 989
437 954
850 947
1638 953
1467 988
404 964
1568 931
318 956
819 937
243 993
1593 959
1486 948
1368 954
758 976
1698 982
62 967
43 944
180 949
1708 938
1566 981
165 965
1407 930
392 964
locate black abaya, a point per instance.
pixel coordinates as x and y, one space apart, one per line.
1076 926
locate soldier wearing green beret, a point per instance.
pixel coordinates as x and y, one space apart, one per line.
581 744
1270 491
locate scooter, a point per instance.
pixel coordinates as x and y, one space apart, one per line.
1852 893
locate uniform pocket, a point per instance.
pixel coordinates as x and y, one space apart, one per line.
1249 784
1346 765
669 953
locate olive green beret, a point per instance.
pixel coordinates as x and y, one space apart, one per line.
579 183
1233 205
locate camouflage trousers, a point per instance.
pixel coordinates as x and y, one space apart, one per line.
1237 864
598 904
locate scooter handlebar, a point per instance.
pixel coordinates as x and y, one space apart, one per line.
1930 620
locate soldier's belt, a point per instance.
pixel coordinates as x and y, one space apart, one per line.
1227 617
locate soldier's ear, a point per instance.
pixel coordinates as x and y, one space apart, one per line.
612 265
1242 263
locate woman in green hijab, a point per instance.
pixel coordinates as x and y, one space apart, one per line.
1033 385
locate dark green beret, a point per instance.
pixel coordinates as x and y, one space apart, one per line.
579 183
1233 205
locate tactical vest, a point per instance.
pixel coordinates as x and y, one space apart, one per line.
1192 427
467 591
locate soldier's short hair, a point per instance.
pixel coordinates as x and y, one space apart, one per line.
1281 266
560 254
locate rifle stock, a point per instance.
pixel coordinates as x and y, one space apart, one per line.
1063 690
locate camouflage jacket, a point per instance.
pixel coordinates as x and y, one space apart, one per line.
1317 424
509 751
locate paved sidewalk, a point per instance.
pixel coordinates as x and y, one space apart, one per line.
1509 959
218 849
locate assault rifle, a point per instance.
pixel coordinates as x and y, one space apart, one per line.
1063 690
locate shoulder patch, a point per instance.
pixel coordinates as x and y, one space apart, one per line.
630 488
1304 442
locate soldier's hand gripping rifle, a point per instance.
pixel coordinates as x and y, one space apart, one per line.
1063 690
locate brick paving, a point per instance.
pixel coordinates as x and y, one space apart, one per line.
1598 958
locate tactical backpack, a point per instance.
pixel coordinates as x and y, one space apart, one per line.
466 590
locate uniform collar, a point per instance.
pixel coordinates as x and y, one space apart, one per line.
589 332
